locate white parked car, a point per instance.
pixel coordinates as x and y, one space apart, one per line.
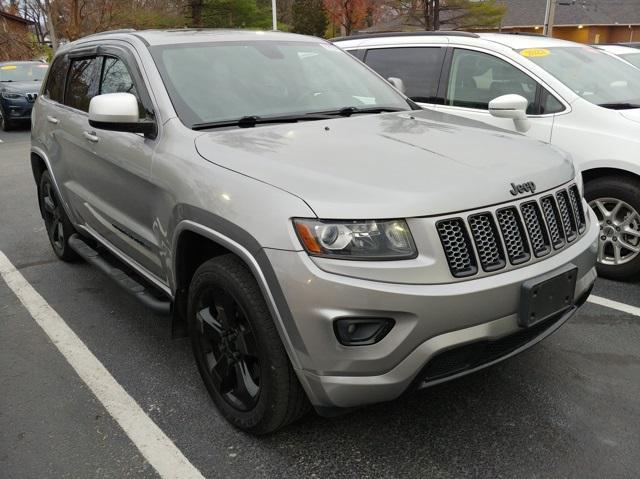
628 54
573 96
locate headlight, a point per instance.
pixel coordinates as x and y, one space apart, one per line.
370 240
11 96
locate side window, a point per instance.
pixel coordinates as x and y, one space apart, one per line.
549 103
359 54
117 79
477 78
82 82
55 81
418 67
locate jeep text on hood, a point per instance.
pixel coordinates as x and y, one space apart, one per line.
417 163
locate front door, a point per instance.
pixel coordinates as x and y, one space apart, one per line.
474 78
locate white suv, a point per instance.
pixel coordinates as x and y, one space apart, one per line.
577 97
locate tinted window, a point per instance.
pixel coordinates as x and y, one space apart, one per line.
117 79
55 81
359 54
549 103
418 67
81 82
477 78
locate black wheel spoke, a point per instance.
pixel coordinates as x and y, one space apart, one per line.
54 229
244 343
226 310
246 388
209 326
222 374
49 205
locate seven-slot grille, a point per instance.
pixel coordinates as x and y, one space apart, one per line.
513 233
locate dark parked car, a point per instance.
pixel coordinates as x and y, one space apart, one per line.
19 86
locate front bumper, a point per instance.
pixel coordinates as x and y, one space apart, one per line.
17 109
429 320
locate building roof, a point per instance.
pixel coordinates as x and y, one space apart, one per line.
15 18
524 13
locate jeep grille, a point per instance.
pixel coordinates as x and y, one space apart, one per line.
515 233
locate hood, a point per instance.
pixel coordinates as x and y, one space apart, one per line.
633 115
390 165
21 86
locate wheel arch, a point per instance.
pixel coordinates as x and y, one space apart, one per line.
600 172
195 243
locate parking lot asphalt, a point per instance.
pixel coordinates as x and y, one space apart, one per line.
568 407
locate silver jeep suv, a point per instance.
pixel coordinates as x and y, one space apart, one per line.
320 238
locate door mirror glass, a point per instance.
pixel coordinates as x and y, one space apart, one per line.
118 112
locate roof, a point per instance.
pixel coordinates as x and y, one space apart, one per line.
523 13
196 35
617 49
15 18
518 42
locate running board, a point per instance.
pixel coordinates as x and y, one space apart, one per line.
126 281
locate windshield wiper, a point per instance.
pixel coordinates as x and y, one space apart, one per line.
620 106
351 110
251 121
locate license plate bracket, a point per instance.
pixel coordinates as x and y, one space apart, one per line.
547 295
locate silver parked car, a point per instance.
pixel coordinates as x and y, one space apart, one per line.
322 240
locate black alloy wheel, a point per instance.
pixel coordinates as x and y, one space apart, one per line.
238 350
230 349
58 226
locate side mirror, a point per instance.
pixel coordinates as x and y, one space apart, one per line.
118 112
511 106
397 83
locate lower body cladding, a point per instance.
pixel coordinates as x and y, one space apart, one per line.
438 331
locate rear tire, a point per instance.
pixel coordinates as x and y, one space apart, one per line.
616 202
241 359
57 223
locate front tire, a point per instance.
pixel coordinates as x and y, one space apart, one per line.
57 223
238 350
5 123
616 202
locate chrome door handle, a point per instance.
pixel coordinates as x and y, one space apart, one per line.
90 136
53 120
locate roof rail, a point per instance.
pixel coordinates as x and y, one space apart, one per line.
525 34
109 32
439 33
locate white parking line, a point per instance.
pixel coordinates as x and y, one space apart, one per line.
625 308
153 444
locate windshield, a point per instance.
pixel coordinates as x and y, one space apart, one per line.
217 82
633 58
23 72
593 74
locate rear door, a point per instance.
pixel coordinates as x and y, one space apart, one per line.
418 67
46 120
473 78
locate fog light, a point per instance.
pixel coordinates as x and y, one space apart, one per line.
361 331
